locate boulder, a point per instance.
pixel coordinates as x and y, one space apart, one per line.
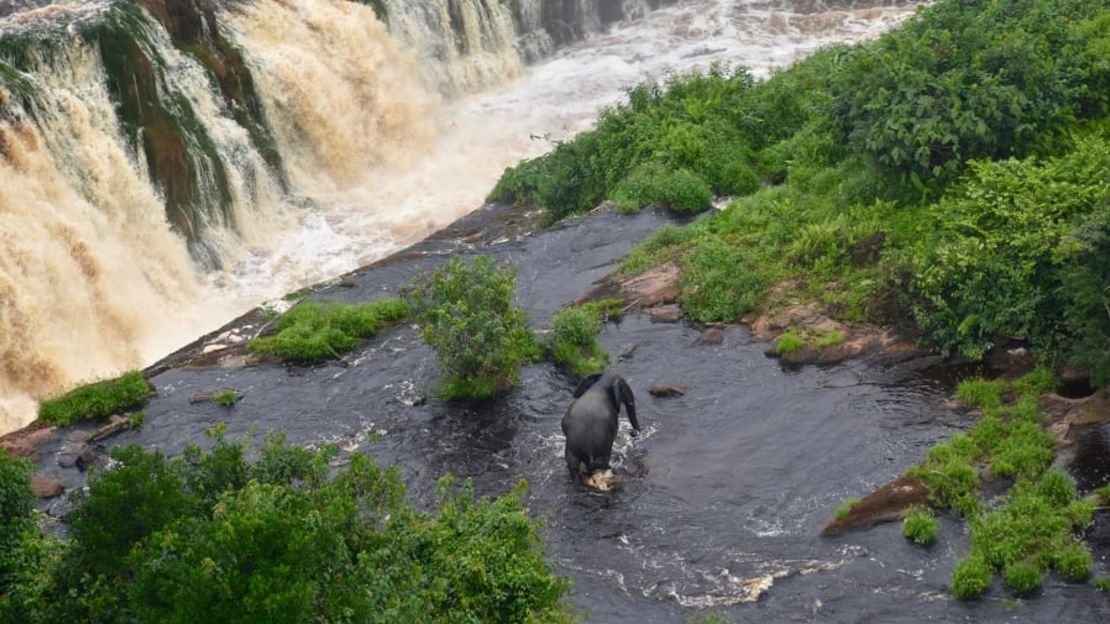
46 487
667 391
654 287
665 314
886 504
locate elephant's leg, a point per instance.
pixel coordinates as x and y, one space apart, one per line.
575 465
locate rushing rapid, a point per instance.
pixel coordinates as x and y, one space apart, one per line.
361 135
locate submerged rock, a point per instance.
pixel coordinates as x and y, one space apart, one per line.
667 391
885 504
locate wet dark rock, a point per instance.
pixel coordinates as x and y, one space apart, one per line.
86 460
627 351
46 487
1010 362
711 336
667 391
885 504
665 314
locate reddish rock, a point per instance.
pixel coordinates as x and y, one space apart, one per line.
886 504
665 314
25 443
667 391
654 287
46 487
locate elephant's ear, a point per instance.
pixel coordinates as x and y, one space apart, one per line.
585 384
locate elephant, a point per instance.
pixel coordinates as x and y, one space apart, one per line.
590 424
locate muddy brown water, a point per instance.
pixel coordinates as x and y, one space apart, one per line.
721 499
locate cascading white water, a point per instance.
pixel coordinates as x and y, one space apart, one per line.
93 279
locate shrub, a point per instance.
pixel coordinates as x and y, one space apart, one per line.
789 343
971 577
467 316
1102 583
681 190
214 538
920 526
573 343
314 332
96 400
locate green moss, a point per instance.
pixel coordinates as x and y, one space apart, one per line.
789 343
971 577
96 400
227 398
846 507
1022 577
1103 494
312 332
828 339
920 526
981 392
1073 562
1102 583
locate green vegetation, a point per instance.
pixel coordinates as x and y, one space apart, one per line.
709 618
845 508
96 400
1102 583
227 398
1030 530
313 332
920 526
789 343
467 316
828 339
949 175
573 343
212 537
1103 494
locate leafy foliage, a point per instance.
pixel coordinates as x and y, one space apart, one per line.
467 316
212 537
573 343
314 332
846 507
96 400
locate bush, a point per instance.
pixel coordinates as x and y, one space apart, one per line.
212 537
681 191
227 398
467 316
96 400
920 526
314 332
966 80
573 343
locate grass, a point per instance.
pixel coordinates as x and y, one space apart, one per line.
1029 531
1104 495
828 339
920 526
96 400
227 398
1102 583
314 332
846 507
573 344
789 342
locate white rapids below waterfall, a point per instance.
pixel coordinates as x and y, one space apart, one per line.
377 159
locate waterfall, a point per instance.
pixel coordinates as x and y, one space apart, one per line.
167 164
